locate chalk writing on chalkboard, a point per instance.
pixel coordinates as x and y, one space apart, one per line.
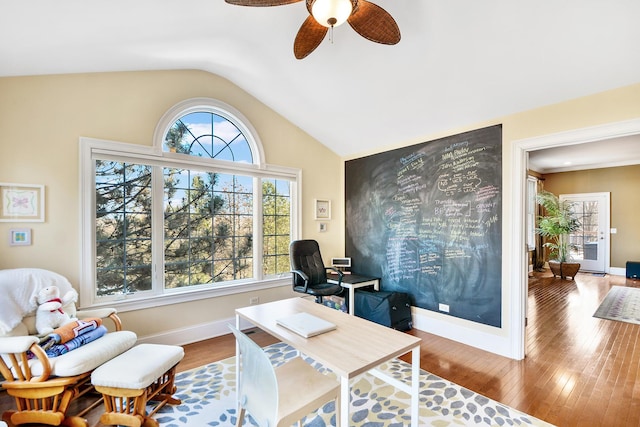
427 220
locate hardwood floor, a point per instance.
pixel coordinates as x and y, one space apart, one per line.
579 370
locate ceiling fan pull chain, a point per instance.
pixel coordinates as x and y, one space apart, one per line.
331 34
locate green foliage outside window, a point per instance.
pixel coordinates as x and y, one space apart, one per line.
207 218
123 227
276 206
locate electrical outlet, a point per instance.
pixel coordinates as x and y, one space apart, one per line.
254 300
443 307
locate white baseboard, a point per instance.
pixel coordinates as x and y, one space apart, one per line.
193 333
485 341
618 271
218 328
473 337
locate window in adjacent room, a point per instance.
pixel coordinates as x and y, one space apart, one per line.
532 189
199 211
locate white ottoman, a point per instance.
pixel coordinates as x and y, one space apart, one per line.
142 373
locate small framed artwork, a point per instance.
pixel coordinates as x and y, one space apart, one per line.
20 237
21 203
322 227
322 209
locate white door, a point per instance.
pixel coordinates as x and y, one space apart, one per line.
590 244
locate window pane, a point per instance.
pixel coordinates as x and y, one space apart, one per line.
585 239
208 227
123 228
276 220
531 213
208 135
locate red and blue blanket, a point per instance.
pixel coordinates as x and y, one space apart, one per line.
72 335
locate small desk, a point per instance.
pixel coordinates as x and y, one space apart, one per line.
353 282
356 346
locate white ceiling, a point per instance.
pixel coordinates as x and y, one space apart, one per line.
459 61
612 152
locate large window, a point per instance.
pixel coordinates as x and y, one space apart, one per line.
200 211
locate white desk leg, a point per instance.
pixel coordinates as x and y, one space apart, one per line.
345 402
415 385
237 367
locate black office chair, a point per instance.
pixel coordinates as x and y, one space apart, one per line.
309 272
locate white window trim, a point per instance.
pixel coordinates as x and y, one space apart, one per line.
92 148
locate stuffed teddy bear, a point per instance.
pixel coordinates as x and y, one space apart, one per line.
49 314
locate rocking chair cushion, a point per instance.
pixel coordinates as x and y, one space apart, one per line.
17 344
89 356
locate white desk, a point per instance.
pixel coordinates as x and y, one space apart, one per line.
354 347
353 282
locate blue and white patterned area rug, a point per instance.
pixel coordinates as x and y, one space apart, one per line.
622 304
208 399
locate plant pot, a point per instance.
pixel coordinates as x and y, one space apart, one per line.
564 269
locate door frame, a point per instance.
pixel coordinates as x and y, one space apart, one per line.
519 160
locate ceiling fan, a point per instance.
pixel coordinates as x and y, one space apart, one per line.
369 20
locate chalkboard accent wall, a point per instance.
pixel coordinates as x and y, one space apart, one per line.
427 220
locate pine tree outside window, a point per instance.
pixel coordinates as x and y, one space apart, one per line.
199 211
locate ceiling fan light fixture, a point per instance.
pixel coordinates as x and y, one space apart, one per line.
331 13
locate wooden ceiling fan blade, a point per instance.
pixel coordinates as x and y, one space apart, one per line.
374 23
261 3
309 37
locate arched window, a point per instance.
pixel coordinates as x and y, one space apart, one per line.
209 135
207 128
200 207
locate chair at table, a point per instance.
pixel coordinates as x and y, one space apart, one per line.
280 396
309 272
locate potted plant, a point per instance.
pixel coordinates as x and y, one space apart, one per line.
555 225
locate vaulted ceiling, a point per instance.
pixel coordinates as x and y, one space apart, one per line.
459 61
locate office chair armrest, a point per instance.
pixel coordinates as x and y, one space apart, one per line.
303 276
338 272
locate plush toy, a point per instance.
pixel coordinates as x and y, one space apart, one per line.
49 314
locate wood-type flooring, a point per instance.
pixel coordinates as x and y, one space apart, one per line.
579 370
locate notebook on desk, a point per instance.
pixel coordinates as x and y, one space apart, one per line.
305 324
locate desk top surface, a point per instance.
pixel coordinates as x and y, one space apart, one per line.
355 346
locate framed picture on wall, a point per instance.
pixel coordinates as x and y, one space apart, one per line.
21 203
20 237
322 209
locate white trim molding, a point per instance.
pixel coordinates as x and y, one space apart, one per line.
519 156
195 333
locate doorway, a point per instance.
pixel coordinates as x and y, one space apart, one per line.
517 270
590 243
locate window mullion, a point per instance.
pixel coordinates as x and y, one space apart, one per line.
157 236
257 229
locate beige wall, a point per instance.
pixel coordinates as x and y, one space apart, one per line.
622 183
42 118
599 109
